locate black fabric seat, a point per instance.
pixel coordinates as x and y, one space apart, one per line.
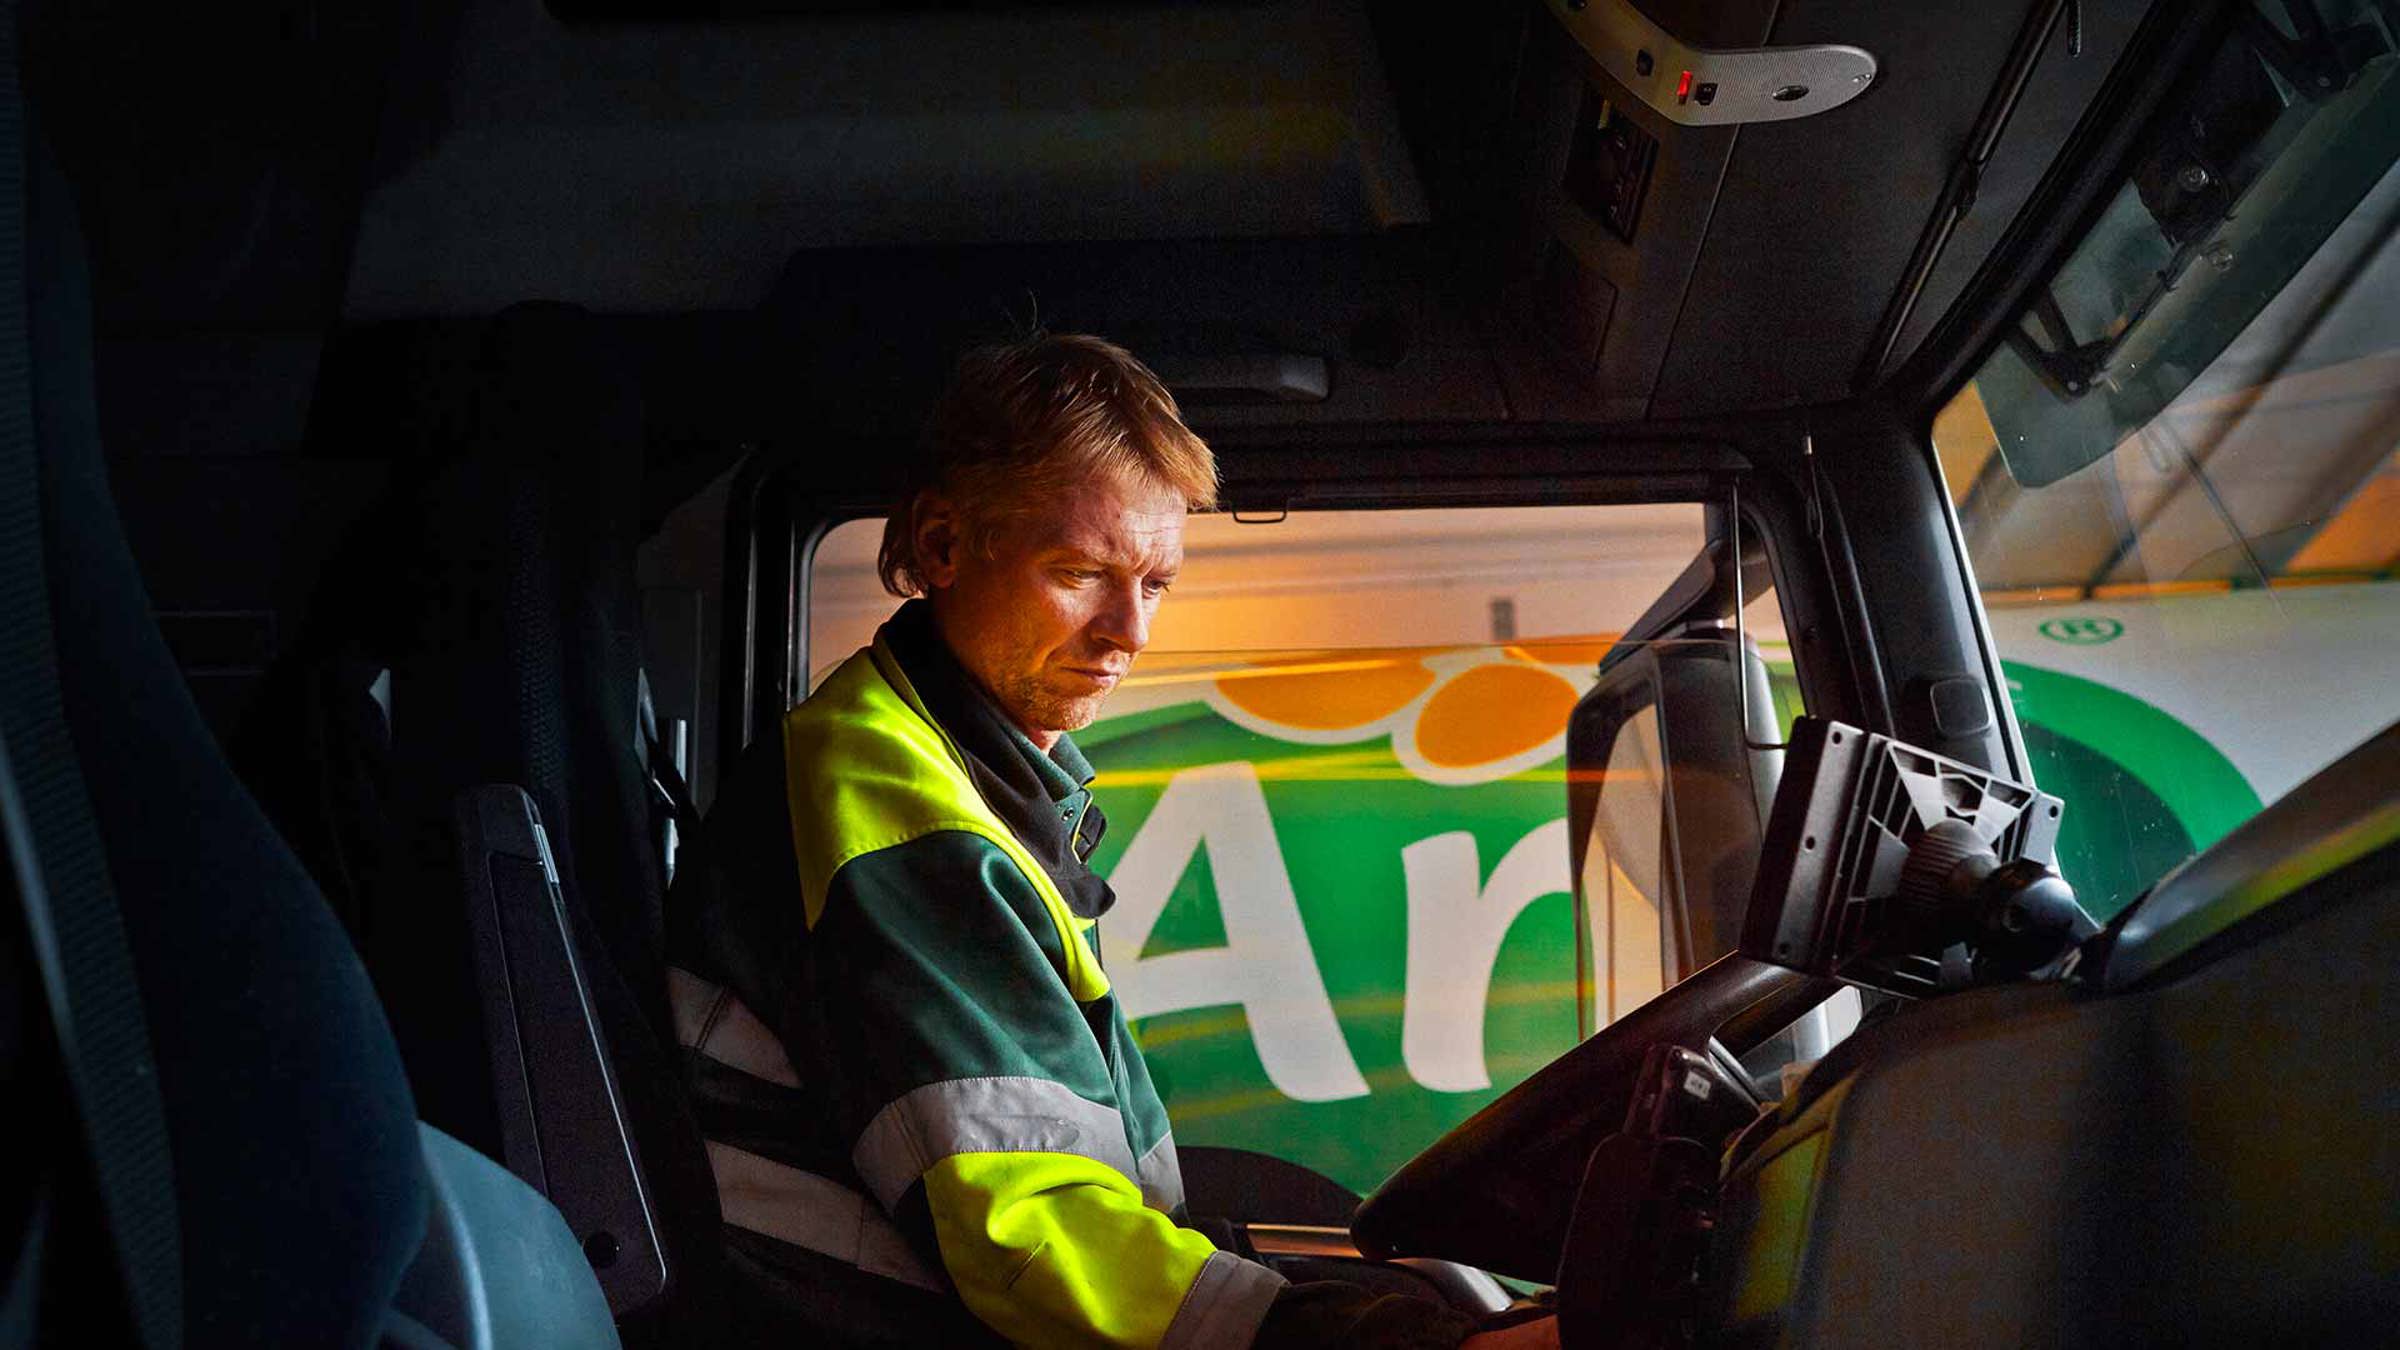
220 1128
299 1187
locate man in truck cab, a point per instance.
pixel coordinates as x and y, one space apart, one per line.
936 1094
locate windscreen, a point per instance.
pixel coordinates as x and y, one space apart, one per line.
2177 479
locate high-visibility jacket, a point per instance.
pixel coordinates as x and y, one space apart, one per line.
950 1019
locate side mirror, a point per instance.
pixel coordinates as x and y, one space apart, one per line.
1668 791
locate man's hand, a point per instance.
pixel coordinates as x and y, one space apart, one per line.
1539 1334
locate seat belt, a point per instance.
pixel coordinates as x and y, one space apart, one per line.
75 929
675 813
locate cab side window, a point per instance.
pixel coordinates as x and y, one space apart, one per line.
1341 834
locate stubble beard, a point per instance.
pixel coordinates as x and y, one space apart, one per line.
1047 710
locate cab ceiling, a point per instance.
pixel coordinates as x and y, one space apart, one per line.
678 166
805 215
836 163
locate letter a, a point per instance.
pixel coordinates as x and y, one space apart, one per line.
1265 966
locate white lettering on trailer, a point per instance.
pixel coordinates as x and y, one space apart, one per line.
1455 929
1266 965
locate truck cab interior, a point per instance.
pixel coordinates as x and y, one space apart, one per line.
427 434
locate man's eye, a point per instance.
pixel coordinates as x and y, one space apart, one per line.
1154 586
1080 575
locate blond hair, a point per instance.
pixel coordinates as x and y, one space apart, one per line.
1025 422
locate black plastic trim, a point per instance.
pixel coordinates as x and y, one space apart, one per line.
1958 195
2346 813
562 1119
737 638
2156 72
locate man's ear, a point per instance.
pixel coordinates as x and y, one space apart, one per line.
934 529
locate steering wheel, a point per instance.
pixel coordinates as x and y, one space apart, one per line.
1499 1190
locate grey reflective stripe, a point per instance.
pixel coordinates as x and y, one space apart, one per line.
1160 1176
807 1210
709 1019
984 1115
1222 1309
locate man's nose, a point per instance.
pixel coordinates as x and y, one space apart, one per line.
1124 622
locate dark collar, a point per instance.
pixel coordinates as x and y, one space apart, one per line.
1029 791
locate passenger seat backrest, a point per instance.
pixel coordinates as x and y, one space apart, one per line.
245 1123
562 1117
297 1177
521 666
507 622
524 665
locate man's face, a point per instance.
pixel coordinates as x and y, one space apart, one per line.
1051 619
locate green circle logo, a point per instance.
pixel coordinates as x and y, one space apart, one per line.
2082 632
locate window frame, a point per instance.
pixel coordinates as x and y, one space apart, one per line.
2158 74
775 522
1773 526
2164 69
1816 618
